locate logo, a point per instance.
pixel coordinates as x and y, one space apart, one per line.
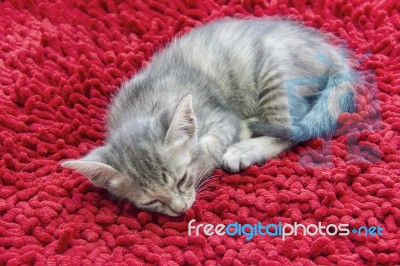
280 229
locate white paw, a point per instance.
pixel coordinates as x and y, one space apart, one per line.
247 152
235 159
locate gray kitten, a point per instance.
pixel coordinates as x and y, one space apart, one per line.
228 94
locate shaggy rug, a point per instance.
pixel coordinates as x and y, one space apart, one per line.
60 63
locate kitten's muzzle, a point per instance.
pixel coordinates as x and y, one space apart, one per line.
178 207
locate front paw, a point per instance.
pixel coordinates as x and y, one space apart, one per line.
235 160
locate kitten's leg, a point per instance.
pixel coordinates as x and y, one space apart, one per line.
219 137
247 152
216 143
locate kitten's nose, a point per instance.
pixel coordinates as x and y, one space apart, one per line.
178 206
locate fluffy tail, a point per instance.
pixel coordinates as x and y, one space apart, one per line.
336 98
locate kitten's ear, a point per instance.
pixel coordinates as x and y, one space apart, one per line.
99 173
183 123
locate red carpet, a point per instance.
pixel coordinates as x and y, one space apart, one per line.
60 62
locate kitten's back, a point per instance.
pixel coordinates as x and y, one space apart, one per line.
225 64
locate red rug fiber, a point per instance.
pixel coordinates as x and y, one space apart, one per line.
60 62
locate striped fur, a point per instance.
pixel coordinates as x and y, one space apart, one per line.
229 94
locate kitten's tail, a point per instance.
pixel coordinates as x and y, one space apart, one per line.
262 129
336 98
321 120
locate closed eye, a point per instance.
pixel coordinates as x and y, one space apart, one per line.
151 202
182 181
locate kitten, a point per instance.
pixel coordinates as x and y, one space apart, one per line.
229 94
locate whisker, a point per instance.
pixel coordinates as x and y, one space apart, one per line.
201 196
203 187
124 197
204 180
26 166
203 175
200 180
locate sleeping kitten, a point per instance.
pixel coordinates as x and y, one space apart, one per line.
221 96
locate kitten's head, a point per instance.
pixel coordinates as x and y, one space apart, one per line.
153 161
